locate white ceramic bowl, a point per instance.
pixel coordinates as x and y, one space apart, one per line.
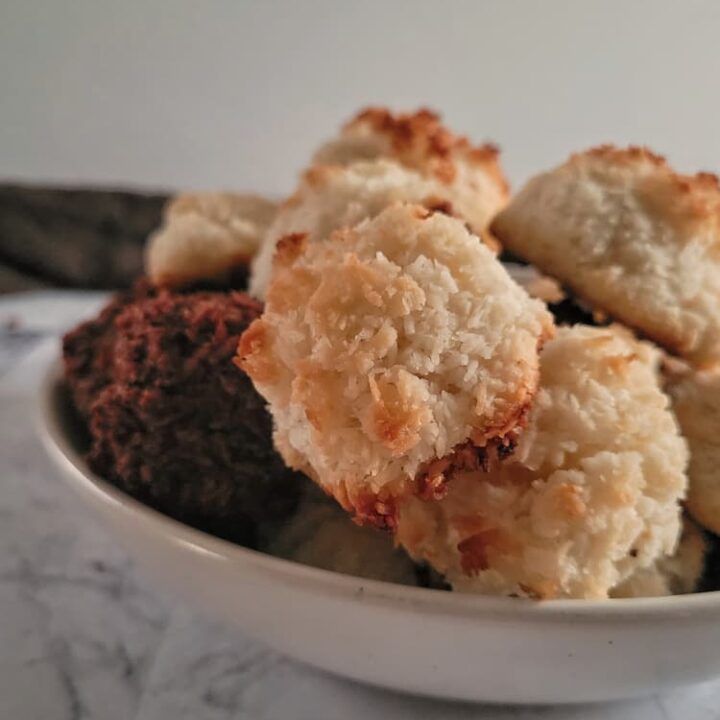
411 639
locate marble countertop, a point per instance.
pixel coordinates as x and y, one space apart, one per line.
84 636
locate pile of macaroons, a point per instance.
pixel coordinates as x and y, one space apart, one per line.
521 391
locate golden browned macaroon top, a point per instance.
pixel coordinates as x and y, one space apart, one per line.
631 237
686 199
420 140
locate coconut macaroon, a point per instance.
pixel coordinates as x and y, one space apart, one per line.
333 197
678 574
206 236
696 401
590 495
471 176
631 237
391 352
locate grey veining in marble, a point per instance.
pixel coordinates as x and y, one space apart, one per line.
84 637
82 629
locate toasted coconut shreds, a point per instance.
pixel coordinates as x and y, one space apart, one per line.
629 236
420 140
386 368
420 132
590 494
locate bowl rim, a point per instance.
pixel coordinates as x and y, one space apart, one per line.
64 456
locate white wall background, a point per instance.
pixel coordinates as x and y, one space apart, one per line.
186 93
